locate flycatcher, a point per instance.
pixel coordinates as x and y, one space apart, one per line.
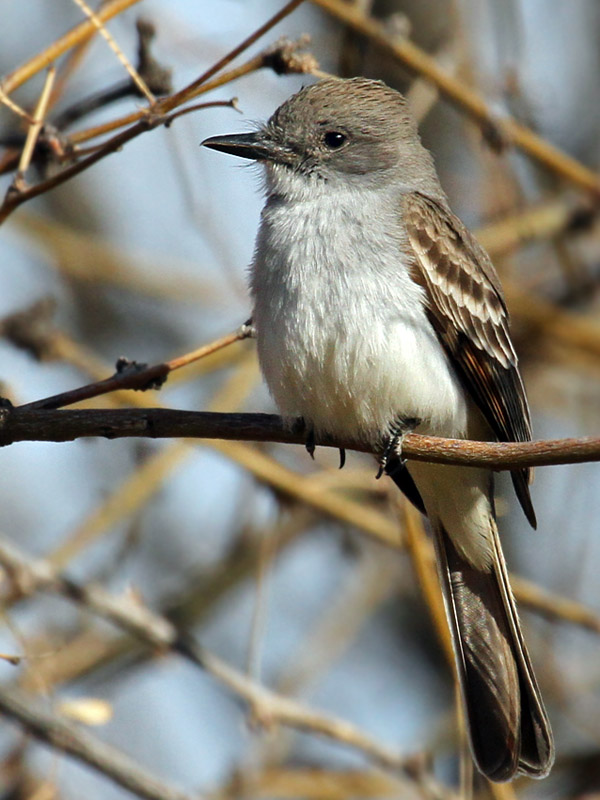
377 313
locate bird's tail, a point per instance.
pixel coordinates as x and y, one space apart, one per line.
509 730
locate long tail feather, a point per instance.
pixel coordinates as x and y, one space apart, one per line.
509 730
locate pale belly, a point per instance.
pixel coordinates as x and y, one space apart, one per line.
355 380
343 336
344 341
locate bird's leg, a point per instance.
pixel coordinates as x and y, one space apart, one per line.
393 444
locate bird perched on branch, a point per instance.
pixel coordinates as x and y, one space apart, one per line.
378 313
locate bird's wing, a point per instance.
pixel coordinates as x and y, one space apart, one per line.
466 306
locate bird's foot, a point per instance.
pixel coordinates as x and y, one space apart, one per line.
300 426
393 445
310 443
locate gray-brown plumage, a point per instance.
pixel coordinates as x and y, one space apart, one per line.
374 305
468 311
509 729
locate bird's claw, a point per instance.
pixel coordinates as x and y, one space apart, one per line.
310 443
393 446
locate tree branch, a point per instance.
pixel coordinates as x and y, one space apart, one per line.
84 30
266 706
23 425
156 114
72 739
498 129
129 374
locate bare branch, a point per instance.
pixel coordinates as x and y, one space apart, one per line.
283 56
72 739
129 374
34 129
23 425
131 71
190 91
505 129
149 118
266 707
70 39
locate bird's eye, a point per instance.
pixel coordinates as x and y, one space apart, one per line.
334 139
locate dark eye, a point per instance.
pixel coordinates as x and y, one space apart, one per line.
334 139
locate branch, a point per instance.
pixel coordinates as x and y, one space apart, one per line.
156 631
72 739
16 198
129 375
502 130
190 91
284 57
70 39
23 425
158 113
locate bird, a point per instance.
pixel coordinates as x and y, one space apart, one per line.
377 313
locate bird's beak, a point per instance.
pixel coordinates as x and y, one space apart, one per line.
246 145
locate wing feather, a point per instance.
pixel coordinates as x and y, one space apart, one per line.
468 311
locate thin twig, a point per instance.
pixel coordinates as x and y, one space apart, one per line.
131 375
279 56
16 109
34 129
267 707
233 103
77 137
148 119
68 69
131 71
72 38
190 91
156 77
111 762
15 199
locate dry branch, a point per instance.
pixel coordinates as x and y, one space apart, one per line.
72 739
191 90
266 707
23 425
80 33
129 374
156 114
502 129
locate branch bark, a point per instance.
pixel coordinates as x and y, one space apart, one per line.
23 425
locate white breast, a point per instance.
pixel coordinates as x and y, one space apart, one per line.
343 337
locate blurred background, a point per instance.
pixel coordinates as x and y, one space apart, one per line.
145 256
